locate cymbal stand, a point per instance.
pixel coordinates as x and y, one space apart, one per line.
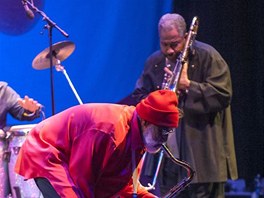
59 67
50 25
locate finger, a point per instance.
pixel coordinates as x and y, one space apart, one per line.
26 99
20 101
167 70
30 101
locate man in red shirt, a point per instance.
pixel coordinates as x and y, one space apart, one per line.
92 150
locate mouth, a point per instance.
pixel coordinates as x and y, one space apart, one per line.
171 57
157 146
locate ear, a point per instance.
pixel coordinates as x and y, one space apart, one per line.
144 124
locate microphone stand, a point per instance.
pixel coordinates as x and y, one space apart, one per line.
50 25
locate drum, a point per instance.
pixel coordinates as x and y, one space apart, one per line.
20 187
3 166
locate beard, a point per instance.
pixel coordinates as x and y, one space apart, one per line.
151 139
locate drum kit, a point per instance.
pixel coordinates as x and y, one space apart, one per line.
14 137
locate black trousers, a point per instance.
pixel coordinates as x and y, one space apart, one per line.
46 188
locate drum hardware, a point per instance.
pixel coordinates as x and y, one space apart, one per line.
17 191
16 150
60 51
4 144
59 67
49 26
6 155
15 137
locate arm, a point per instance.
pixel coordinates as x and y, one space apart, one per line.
210 87
21 109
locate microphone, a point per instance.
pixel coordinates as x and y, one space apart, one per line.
29 12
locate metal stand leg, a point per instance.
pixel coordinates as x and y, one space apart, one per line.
59 67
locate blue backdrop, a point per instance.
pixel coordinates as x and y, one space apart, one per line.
112 38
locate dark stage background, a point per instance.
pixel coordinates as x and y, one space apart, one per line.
235 29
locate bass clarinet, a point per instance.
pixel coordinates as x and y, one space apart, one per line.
170 82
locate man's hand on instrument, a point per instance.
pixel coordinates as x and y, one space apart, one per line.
29 104
184 82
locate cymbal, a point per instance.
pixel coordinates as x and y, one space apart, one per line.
60 51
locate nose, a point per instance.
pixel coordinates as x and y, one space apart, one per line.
163 139
169 51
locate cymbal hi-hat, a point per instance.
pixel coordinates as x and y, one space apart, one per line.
60 51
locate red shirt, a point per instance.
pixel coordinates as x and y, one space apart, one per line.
85 151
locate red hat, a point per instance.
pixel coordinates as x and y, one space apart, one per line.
160 108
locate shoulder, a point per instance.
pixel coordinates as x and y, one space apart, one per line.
156 57
3 84
204 48
207 53
154 61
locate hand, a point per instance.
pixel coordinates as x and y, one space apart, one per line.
184 82
168 71
29 104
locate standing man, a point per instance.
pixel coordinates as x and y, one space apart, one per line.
204 137
20 109
91 150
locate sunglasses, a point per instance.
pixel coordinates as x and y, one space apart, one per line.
166 131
